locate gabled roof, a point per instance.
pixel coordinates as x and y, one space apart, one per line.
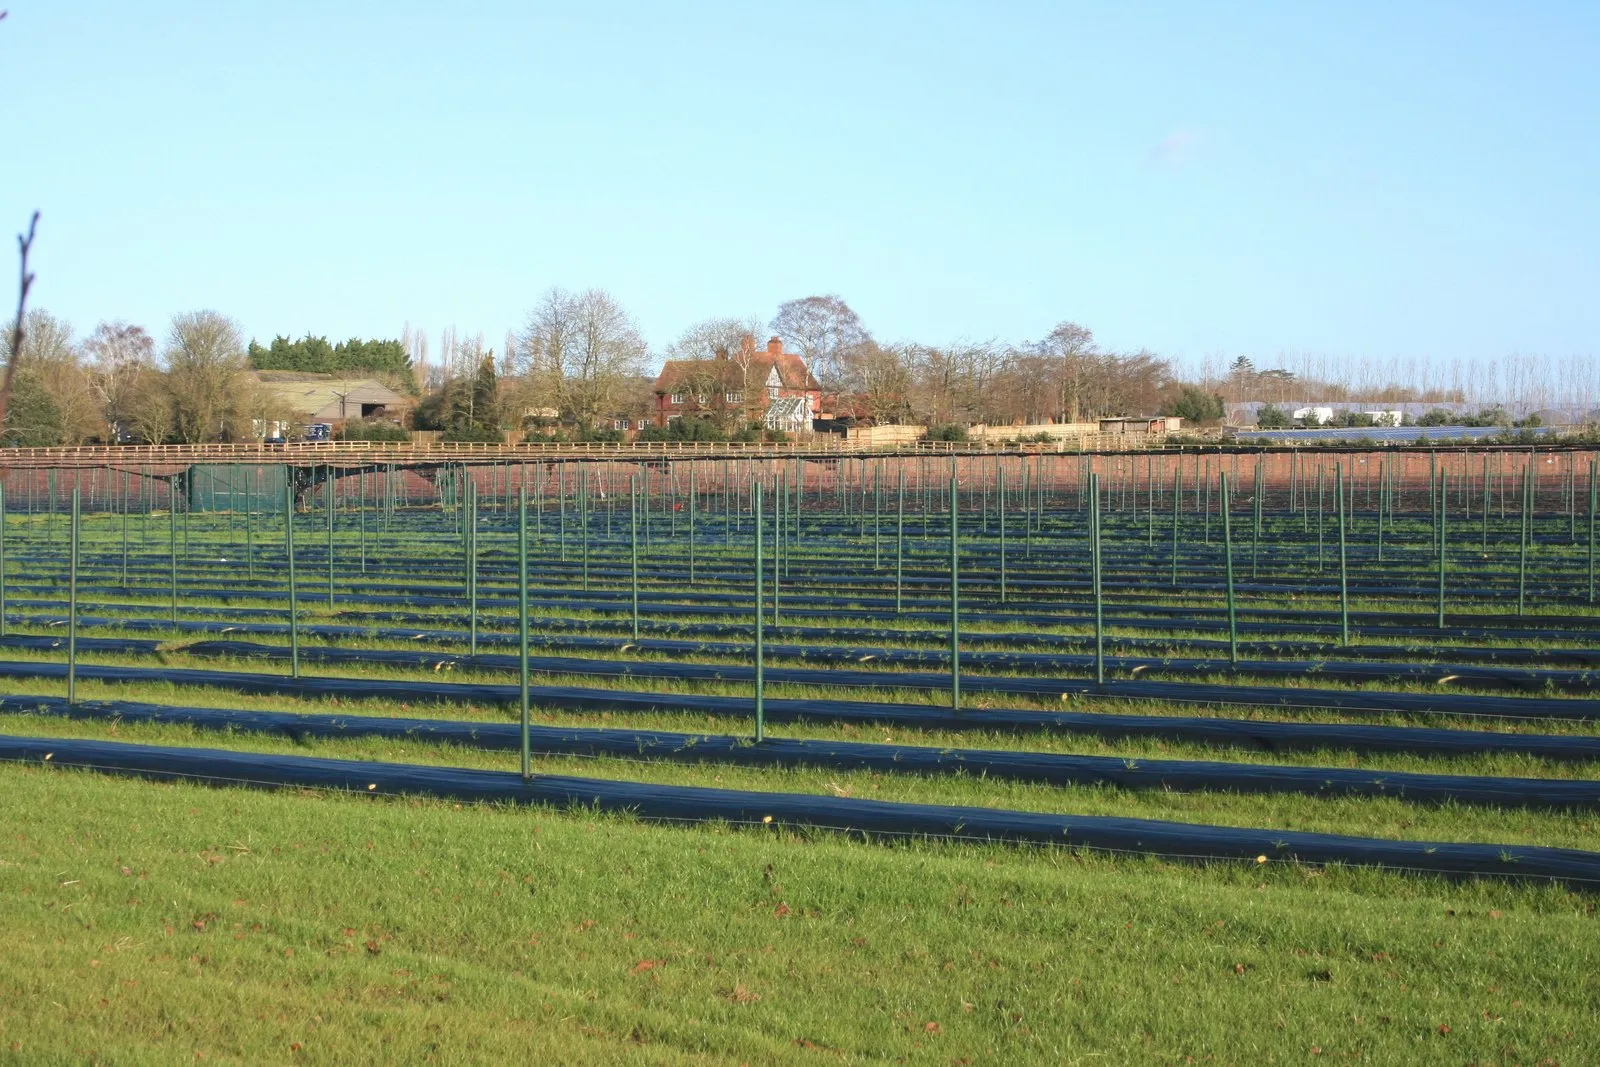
791 369
312 397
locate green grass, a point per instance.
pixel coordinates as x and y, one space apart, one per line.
148 922
153 923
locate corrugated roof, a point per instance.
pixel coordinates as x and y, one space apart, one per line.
310 398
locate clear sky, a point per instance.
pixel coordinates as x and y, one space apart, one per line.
1378 181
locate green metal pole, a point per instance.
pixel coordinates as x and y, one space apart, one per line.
1000 515
1094 578
1383 498
172 547
760 657
1594 499
1444 489
1177 496
900 547
1255 536
877 515
124 530
633 549
328 501
72 603
522 626
3 623
472 567
955 596
1344 574
1522 548
1227 563
288 548
249 528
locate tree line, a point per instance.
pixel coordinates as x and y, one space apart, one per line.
579 361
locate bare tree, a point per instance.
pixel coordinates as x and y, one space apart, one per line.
823 329
882 374
725 338
205 360
152 414
118 355
709 338
580 349
1073 348
54 360
19 328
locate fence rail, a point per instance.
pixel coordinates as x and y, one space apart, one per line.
407 451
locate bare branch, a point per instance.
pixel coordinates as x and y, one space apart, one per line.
18 331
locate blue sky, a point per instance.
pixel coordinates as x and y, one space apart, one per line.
1365 182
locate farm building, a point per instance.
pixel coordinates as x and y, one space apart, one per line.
314 398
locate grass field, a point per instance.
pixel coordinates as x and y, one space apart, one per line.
168 922
154 923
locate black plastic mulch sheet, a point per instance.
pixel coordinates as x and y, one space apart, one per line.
691 804
1348 701
1049 768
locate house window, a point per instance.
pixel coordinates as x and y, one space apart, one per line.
700 398
672 419
735 398
677 399
772 392
619 424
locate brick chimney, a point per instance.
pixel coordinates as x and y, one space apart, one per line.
774 347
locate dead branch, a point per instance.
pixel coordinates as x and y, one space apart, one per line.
18 330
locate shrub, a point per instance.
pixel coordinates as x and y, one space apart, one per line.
472 435
371 430
1272 417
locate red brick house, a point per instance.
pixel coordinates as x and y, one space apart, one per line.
769 386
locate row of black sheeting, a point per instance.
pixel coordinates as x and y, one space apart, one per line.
1354 701
1044 767
1019 651
1252 734
865 818
708 604
1517 678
